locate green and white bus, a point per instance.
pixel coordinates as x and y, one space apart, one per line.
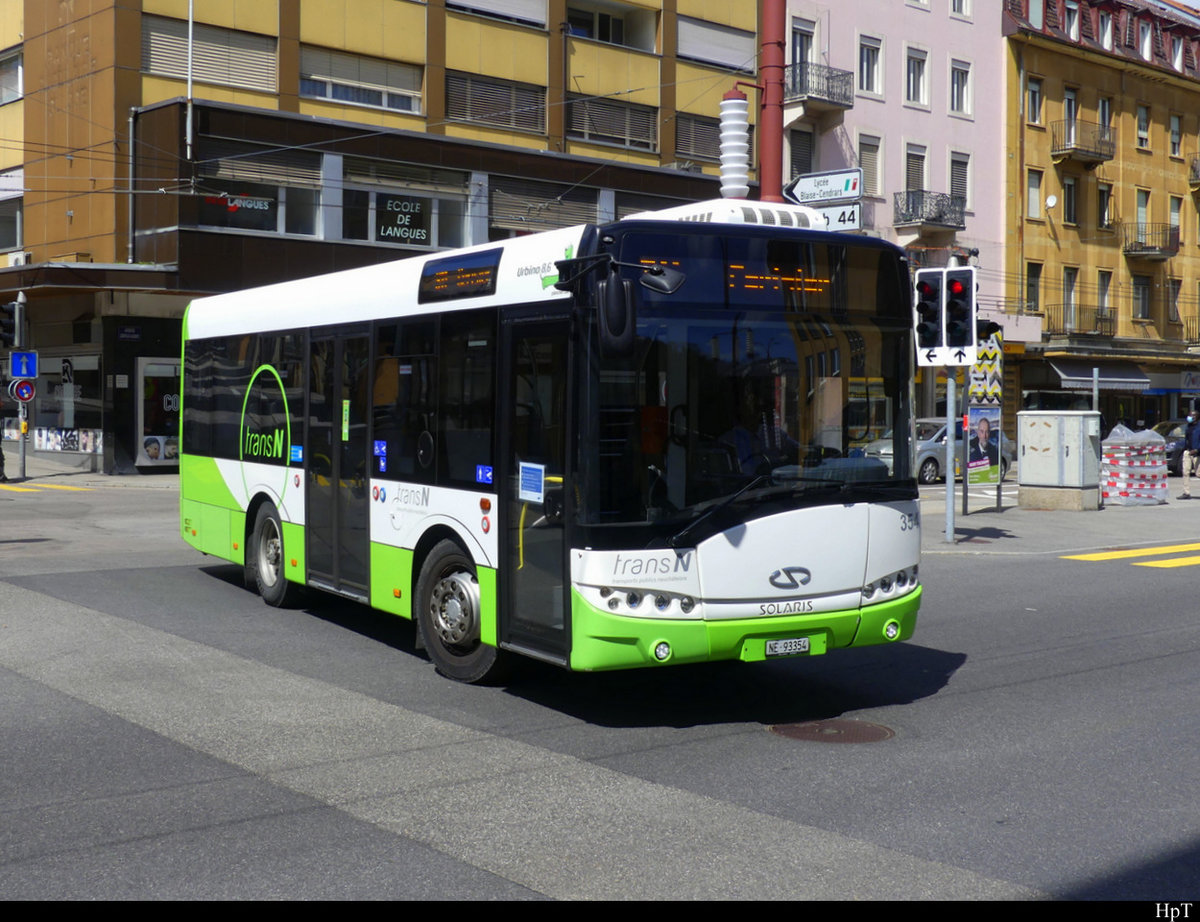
607 446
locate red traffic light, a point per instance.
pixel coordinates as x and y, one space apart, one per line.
956 287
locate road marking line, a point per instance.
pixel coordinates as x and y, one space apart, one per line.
10 487
59 486
1173 562
1139 552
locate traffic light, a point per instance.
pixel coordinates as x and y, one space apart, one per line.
11 318
928 318
960 307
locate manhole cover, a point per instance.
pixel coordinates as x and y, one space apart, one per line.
838 730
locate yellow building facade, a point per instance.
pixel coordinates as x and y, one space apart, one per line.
1103 229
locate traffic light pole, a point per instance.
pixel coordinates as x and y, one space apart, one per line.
951 382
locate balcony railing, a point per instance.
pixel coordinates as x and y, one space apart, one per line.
1081 318
1150 241
820 84
1085 142
1191 329
930 209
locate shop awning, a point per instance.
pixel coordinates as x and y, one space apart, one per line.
1076 375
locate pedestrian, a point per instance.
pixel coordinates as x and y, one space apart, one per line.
1191 454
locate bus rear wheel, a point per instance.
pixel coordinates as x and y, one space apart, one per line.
448 614
267 557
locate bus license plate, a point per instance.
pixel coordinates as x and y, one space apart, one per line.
789 647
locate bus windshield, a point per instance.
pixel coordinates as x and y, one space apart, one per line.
755 387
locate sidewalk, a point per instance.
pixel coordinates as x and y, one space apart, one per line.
1017 530
77 471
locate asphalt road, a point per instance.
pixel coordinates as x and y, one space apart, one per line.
166 735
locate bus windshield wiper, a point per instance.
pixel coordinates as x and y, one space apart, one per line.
681 535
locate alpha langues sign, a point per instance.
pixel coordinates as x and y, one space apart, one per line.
400 219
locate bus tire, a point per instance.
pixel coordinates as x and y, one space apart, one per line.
266 557
448 615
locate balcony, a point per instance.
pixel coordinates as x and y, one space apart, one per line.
1153 242
819 88
1083 142
923 210
1081 318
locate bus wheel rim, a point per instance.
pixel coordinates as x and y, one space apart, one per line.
454 605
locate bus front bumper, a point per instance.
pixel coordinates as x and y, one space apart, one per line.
602 640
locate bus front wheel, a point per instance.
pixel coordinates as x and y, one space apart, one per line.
266 556
448 613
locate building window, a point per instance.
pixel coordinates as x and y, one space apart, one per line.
1176 214
1103 289
1071 20
1144 45
914 168
960 87
12 213
1070 207
914 90
1033 107
803 41
615 24
870 73
1106 30
359 81
521 11
1070 277
1104 111
1141 297
711 43
1103 205
1033 195
1036 8
1176 136
1174 287
1033 287
868 159
1143 127
960 176
407 220
11 76
471 98
1177 53
610 122
221 56
960 7
801 148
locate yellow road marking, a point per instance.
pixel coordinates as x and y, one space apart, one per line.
1173 562
14 489
1139 552
60 486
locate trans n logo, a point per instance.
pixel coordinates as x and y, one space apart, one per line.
790 578
266 428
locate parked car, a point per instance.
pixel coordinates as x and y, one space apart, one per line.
1174 431
931 450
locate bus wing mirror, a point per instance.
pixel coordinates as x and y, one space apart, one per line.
616 316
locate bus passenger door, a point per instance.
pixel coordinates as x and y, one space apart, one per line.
535 492
336 464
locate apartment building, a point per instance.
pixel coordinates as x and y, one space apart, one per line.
1103 229
149 158
912 92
